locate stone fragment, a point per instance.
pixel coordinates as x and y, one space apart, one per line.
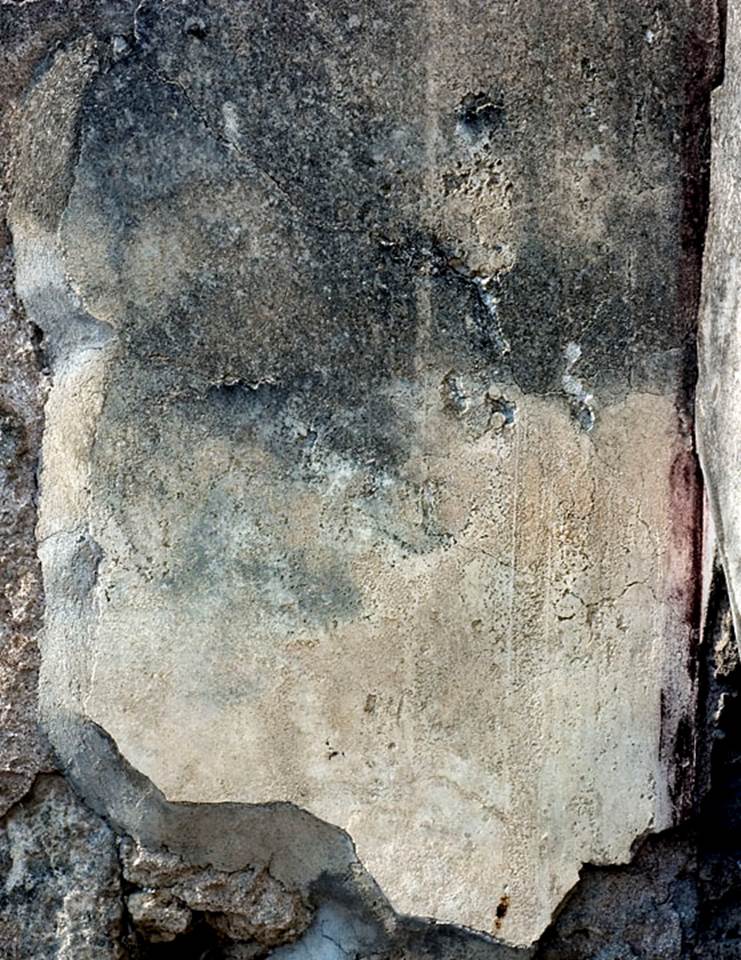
23 749
645 910
157 917
719 338
60 886
245 905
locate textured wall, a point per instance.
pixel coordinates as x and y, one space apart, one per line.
369 505
719 341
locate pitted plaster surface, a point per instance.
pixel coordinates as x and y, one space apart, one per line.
365 483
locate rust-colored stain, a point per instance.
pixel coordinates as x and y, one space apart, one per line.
501 911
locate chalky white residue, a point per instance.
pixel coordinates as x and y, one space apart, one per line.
581 398
488 298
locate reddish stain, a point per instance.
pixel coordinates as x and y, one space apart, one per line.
683 598
685 571
501 911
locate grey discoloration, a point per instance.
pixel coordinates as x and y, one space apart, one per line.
335 169
336 934
84 564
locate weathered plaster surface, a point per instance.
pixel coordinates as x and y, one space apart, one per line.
368 479
447 757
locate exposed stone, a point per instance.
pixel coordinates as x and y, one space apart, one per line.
156 916
26 35
719 821
648 909
60 885
23 750
719 341
241 905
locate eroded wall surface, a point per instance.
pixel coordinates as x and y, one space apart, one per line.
719 340
368 478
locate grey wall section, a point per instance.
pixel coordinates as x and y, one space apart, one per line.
719 341
370 520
